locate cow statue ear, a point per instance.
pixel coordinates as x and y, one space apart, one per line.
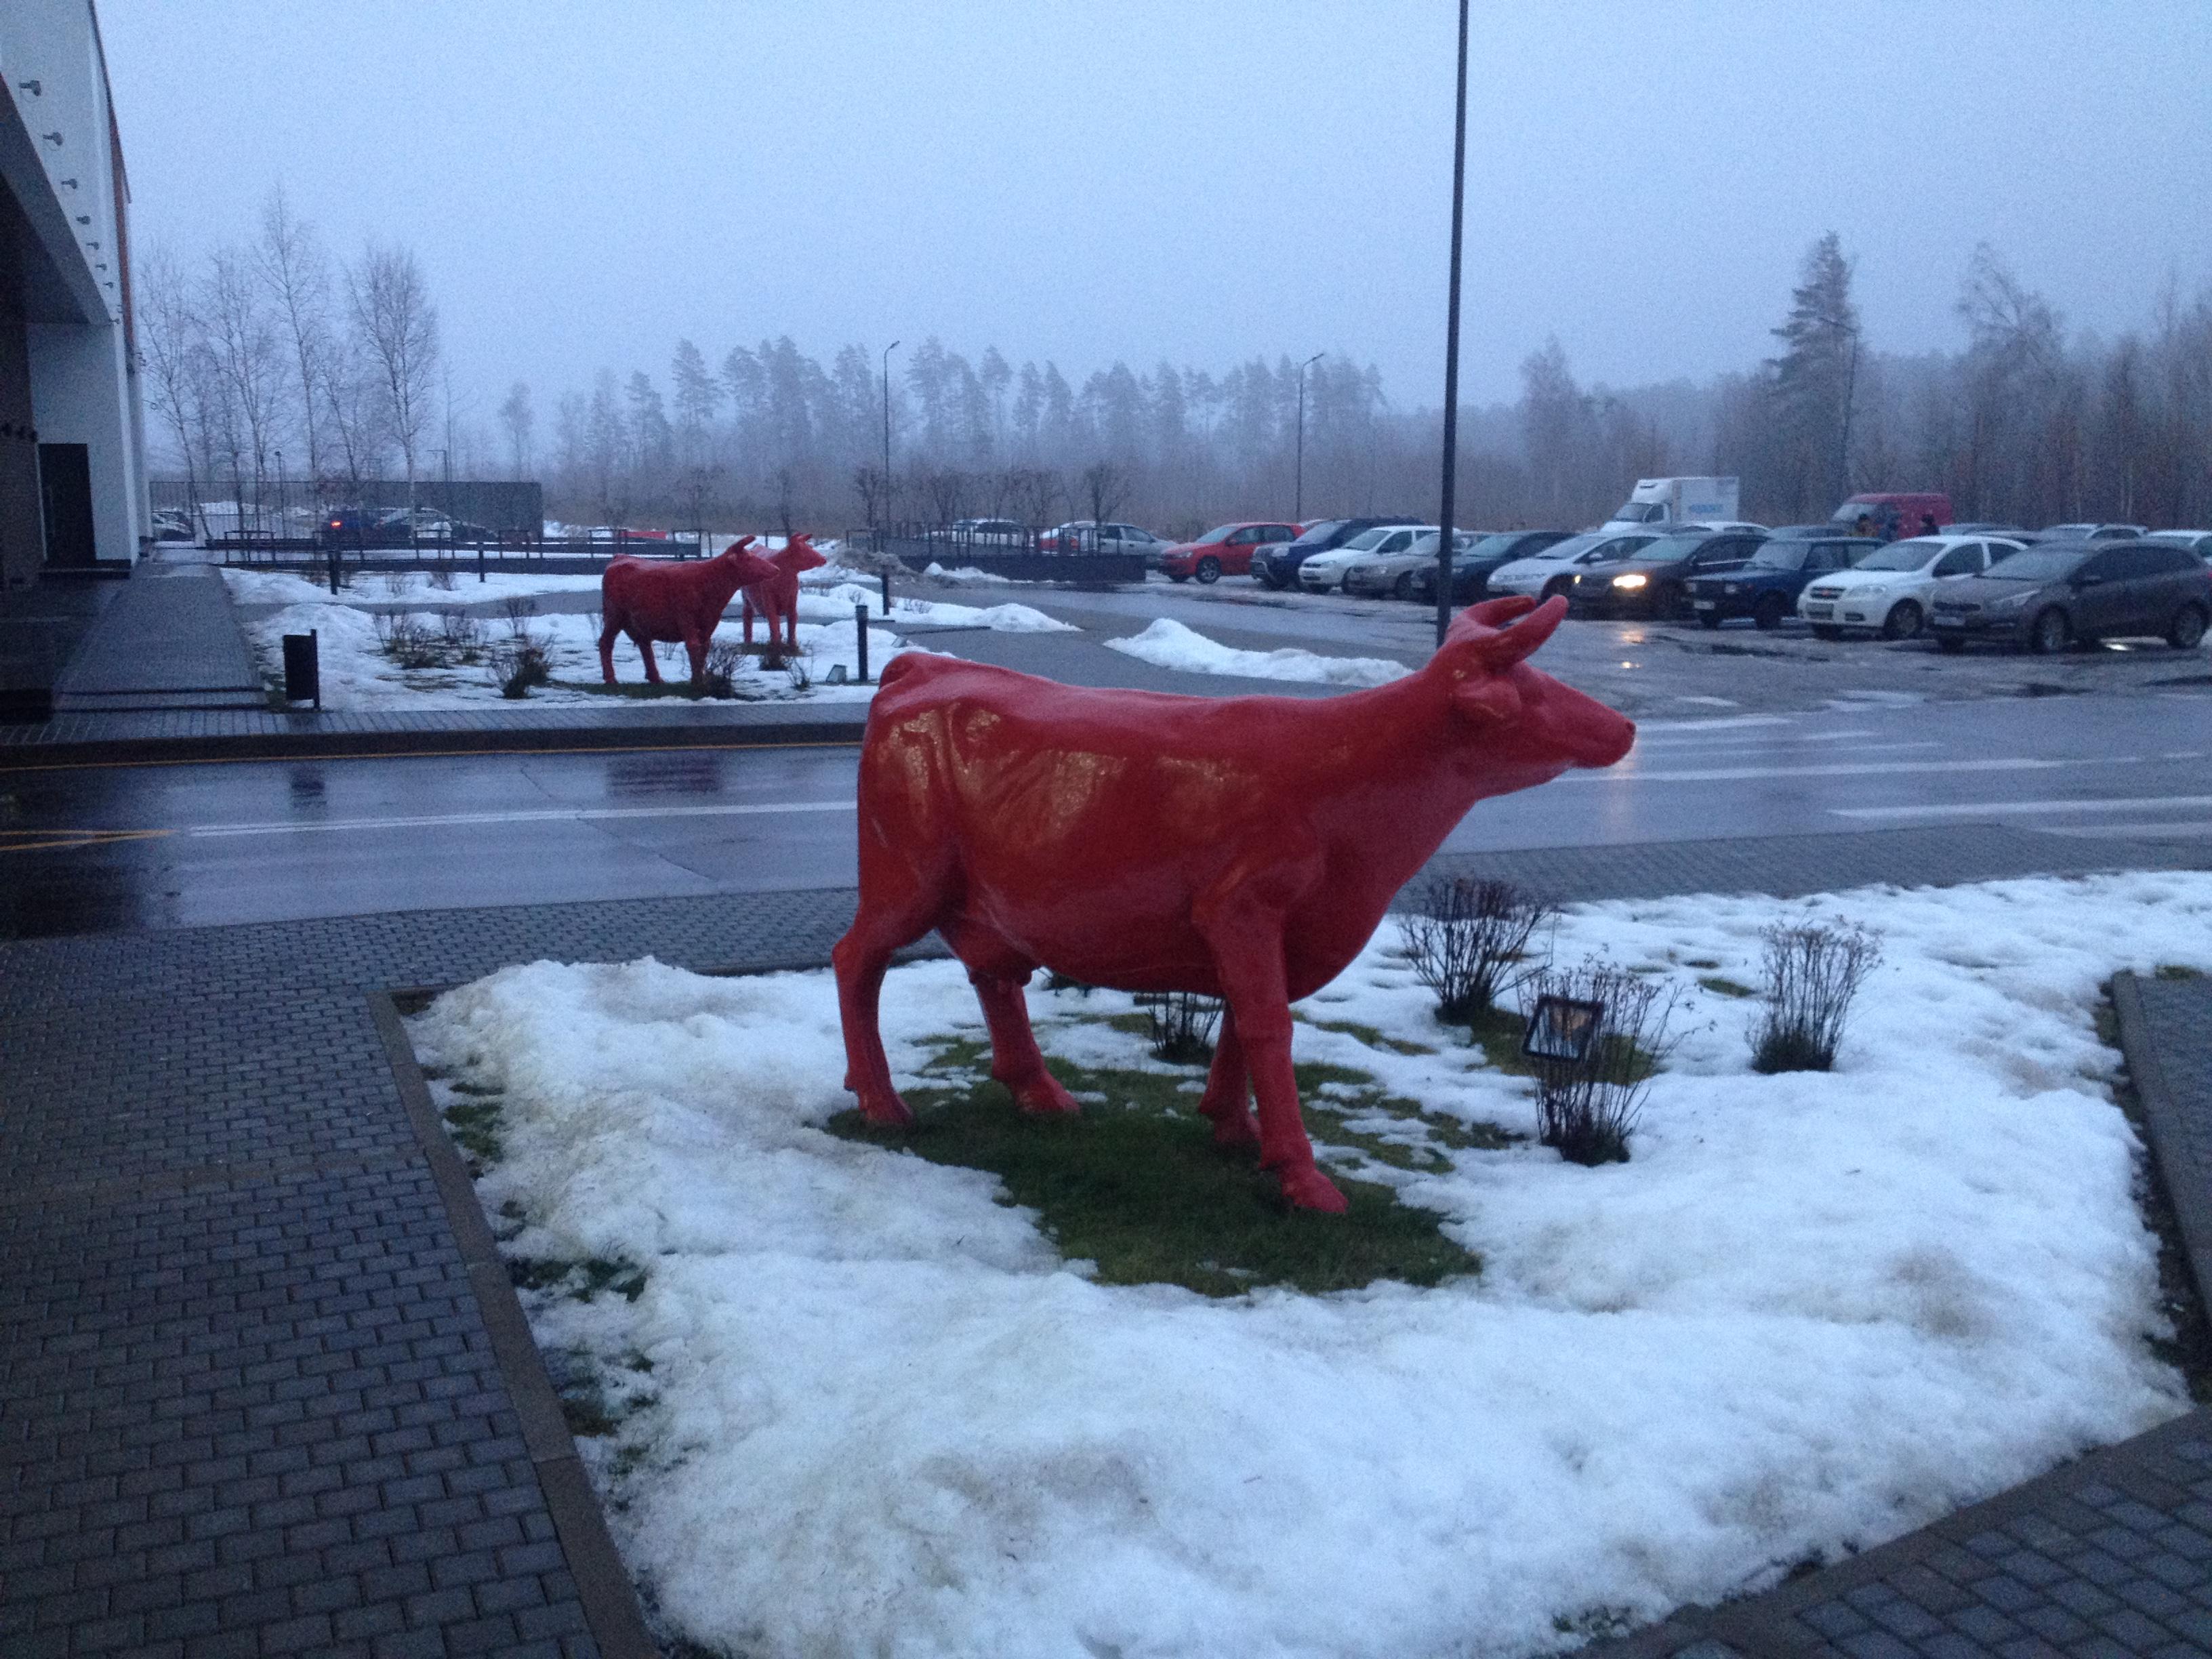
1487 701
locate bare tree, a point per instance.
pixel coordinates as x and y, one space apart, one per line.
353 398
1106 485
249 366
293 268
516 417
173 357
399 327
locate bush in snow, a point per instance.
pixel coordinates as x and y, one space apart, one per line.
442 579
408 641
1468 939
1181 1023
1812 975
518 663
723 657
1587 1108
519 609
463 634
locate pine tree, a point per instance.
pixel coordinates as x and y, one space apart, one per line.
1814 380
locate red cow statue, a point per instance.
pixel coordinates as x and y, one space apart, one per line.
654 599
1243 847
780 598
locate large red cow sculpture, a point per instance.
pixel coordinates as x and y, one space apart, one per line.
1243 847
654 599
780 598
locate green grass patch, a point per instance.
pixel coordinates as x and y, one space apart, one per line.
473 1125
2176 970
580 1281
1367 1034
1137 1186
1726 988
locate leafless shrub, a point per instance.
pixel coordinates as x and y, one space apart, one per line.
1812 974
1469 939
442 579
463 634
518 609
723 657
1587 1107
518 663
1181 1025
799 665
395 582
409 640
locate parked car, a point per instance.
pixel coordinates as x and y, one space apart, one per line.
2057 592
1225 550
2016 531
1276 567
2089 532
1082 535
2198 542
1323 573
1765 589
1472 566
1552 570
172 524
1653 581
1378 573
1893 513
359 527
1888 592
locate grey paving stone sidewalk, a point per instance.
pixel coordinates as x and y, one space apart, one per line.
249 1404
169 639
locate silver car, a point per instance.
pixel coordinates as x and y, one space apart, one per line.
1398 574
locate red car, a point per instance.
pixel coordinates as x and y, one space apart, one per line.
1226 552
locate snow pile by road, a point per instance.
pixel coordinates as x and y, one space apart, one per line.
837 602
397 587
358 675
1169 644
1813 1312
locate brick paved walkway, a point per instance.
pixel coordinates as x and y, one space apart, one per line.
250 1402
168 640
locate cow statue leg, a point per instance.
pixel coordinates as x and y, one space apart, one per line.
1245 934
695 646
748 620
608 633
897 906
1228 1099
643 641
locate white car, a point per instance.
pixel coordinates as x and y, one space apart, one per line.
2089 532
1889 590
2198 542
1325 571
1553 571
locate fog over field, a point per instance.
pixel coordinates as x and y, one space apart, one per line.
1208 194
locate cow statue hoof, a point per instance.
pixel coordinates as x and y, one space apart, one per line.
1042 1095
885 1111
1307 1188
1233 1124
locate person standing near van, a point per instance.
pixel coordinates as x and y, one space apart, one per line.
1929 526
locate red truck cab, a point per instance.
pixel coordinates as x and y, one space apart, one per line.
1894 516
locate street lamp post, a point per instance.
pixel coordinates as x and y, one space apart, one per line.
888 349
1451 343
1298 502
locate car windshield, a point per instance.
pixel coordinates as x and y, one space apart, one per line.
1490 547
1852 512
1782 555
2039 564
1370 538
1316 534
1663 549
1639 512
1425 543
1220 533
1575 546
1901 555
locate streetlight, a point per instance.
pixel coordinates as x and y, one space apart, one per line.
1451 345
888 349
1298 505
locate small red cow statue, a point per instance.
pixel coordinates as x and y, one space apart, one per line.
1241 848
654 599
780 598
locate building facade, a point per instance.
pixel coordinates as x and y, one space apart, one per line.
72 434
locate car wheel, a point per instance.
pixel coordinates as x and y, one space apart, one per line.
2188 629
1556 588
1949 646
1709 619
1403 587
1826 631
1671 603
1767 614
2049 633
1209 570
1902 622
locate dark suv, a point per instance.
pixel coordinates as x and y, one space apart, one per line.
1278 565
2055 593
1766 589
1654 580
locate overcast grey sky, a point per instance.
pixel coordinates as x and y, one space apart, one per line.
1195 179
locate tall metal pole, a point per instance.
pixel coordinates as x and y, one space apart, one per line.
1298 506
888 349
1451 345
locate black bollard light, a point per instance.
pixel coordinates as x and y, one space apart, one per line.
860 628
887 592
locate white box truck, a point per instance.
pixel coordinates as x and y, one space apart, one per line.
1657 501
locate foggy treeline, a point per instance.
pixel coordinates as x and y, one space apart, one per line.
268 348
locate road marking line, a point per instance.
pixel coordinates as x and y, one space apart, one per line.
1732 774
69 840
546 815
2153 829
2172 803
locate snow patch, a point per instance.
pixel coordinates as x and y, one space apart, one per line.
1169 644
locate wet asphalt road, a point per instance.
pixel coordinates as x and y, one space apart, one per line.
105 848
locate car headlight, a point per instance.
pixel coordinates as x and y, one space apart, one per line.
1633 580
2012 601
